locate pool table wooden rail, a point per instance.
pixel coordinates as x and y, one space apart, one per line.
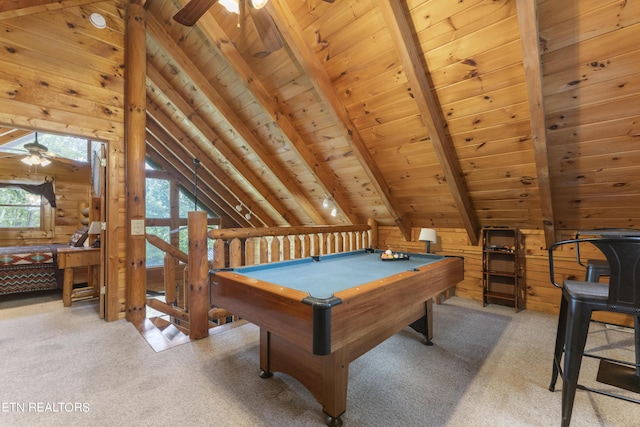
371 313
368 315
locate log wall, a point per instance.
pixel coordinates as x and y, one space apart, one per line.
541 295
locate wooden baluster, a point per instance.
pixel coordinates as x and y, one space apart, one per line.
235 253
315 240
250 251
275 249
297 247
169 279
340 243
330 243
264 250
286 248
218 254
185 289
307 246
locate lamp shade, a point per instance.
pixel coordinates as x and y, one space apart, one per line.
428 235
94 228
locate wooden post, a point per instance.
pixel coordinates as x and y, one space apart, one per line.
135 124
373 233
198 276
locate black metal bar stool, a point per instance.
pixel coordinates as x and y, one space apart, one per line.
580 299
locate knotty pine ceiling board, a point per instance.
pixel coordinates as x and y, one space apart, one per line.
588 56
617 89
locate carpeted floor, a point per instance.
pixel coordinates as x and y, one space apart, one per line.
488 367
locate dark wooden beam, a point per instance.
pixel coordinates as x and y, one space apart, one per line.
416 71
217 101
296 143
215 146
530 38
286 23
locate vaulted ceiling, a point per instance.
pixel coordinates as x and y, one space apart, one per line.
415 113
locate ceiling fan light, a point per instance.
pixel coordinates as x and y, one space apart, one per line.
31 159
259 4
44 162
231 5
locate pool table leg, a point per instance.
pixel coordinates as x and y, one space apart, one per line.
324 376
424 325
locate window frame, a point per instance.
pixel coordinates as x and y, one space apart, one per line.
45 230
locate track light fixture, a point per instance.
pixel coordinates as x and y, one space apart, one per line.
239 208
327 203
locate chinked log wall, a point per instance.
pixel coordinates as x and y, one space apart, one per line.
187 299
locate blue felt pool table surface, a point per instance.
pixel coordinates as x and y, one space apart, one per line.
322 277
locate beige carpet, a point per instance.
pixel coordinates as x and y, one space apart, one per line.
488 367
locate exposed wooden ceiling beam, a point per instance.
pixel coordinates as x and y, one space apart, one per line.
326 177
394 16
234 121
170 172
530 38
180 172
286 23
200 124
228 190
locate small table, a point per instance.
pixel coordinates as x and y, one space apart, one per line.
72 257
318 314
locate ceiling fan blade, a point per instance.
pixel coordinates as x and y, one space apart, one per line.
267 29
63 160
193 11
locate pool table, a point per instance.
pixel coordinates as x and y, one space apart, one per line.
318 314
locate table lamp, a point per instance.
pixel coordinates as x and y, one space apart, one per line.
94 228
428 235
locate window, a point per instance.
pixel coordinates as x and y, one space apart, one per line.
20 209
158 210
68 147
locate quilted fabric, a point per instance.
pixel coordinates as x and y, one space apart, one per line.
28 268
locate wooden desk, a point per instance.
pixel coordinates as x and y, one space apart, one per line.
70 258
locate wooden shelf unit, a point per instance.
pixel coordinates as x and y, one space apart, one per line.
501 266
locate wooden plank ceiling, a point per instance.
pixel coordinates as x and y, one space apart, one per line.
417 113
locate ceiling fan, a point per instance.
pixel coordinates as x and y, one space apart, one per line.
265 26
32 153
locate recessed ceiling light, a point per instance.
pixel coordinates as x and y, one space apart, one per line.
98 20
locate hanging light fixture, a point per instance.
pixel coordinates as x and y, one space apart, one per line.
233 6
259 4
35 158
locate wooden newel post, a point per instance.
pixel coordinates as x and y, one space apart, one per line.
198 276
